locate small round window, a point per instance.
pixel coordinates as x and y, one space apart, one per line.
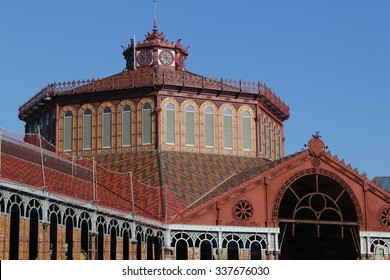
243 210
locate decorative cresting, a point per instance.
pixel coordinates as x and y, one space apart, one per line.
243 210
315 201
384 216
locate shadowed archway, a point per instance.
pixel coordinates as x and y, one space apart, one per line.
318 219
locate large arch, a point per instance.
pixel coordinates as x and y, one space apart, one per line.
319 217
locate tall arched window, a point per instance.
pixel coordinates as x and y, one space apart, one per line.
126 247
68 117
85 239
53 236
106 128
233 251
33 235
190 126
265 137
126 126
170 124
181 250
209 127
274 144
100 242
87 129
228 129
279 144
113 244
146 124
69 238
14 232
260 134
270 141
206 250
255 251
246 131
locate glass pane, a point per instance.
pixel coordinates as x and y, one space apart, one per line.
227 129
126 126
170 125
209 127
68 131
190 126
146 124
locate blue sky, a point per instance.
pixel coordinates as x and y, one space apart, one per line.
328 60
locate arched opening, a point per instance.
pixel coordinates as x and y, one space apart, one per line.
232 251
255 251
139 246
14 233
100 242
69 238
84 239
149 247
157 248
113 244
181 250
206 250
126 247
53 236
318 220
33 235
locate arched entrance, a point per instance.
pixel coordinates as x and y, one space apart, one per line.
318 219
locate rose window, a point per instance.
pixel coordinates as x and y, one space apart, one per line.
243 210
384 216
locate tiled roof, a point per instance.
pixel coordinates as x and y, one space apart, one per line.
164 183
240 178
167 182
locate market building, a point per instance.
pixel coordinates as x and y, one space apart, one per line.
157 162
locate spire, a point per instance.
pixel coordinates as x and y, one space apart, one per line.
155 16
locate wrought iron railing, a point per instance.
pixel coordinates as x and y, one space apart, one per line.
135 79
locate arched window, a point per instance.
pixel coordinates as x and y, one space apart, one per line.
68 119
270 141
14 232
85 239
100 242
113 244
53 236
232 250
33 234
279 144
246 131
87 129
106 128
228 129
170 124
181 250
190 126
255 251
265 137
69 238
126 126
149 247
259 135
146 124
209 127
139 246
206 250
126 247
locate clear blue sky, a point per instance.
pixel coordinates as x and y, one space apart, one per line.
328 60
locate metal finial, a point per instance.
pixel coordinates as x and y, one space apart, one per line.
155 15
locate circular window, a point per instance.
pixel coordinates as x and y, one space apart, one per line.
384 216
243 210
